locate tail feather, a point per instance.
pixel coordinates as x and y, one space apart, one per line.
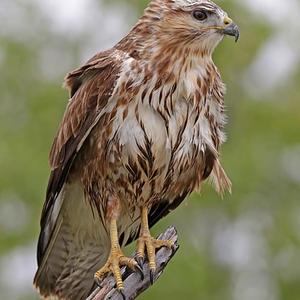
76 248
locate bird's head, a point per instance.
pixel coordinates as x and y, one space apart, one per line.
195 24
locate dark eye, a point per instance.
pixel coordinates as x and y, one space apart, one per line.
200 15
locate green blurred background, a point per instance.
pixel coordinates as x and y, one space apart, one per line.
244 247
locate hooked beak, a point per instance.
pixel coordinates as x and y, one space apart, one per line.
232 30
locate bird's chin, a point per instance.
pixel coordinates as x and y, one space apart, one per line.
214 41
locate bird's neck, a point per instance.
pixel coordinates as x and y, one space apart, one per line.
165 57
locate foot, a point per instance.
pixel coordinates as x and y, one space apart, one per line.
150 244
113 265
116 260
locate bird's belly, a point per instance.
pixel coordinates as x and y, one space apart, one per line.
156 159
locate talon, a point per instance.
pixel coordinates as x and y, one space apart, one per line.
152 274
121 291
140 270
98 281
140 261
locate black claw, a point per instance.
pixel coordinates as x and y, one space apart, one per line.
98 282
140 261
140 270
121 291
152 273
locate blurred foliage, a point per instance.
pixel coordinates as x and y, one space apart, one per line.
260 131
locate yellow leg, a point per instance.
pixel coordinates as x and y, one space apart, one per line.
115 260
146 241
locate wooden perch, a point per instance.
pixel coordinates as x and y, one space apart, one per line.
133 284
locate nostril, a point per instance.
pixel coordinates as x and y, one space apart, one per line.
227 21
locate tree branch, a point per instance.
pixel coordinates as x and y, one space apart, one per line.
133 284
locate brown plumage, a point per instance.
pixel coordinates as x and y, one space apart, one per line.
141 131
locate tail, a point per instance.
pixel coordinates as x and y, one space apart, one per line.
73 245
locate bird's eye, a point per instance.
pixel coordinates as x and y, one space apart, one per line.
199 15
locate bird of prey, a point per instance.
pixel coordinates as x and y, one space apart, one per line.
141 131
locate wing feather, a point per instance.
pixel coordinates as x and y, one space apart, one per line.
91 88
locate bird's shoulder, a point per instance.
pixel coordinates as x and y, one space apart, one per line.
90 88
102 62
